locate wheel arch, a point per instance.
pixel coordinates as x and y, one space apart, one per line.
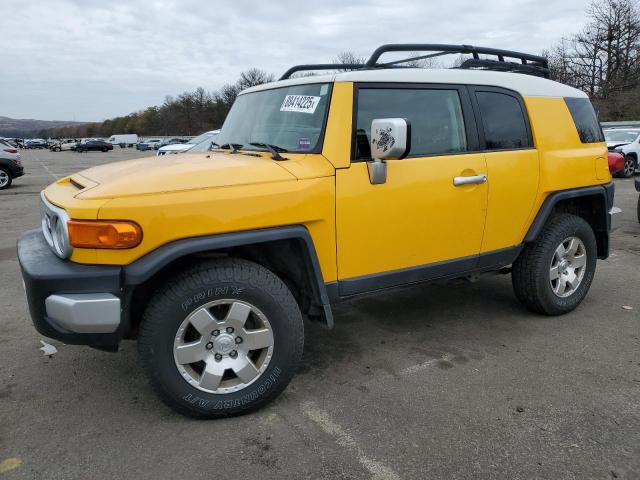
590 203
287 251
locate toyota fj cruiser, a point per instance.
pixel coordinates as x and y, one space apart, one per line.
320 188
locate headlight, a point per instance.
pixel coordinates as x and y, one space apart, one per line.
54 227
60 240
619 150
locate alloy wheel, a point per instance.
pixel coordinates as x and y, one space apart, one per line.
629 166
568 266
223 346
4 178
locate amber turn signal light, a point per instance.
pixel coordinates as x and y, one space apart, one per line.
104 234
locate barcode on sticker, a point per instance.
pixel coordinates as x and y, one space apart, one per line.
300 103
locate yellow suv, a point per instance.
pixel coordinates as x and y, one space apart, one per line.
320 188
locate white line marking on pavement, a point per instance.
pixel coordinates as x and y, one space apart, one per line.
421 366
345 440
46 168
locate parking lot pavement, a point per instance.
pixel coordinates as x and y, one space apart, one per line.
437 381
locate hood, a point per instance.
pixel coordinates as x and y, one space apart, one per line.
614 144
176 147
177 173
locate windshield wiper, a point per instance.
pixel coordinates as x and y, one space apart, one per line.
231 146
273 149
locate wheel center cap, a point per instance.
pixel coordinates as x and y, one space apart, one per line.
224 343
562 267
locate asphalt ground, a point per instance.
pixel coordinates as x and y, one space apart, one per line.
451 381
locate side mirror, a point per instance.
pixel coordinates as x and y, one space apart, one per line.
390 140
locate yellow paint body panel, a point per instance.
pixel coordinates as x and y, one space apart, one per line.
565 162
337 138
417 217
196 195
513 186
172 216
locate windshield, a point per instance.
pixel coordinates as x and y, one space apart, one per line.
204 145
290 119
620 136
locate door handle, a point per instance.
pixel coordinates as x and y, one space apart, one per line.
473 179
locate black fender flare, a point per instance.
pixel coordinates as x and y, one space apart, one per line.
605 192
147 266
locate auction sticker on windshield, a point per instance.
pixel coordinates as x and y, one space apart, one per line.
300 103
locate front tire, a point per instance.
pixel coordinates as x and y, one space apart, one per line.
553 274
222 339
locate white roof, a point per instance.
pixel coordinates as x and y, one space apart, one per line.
526 85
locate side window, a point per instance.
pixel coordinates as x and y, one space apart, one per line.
437 125
585 119
503 121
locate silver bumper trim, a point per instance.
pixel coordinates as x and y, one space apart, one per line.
85 312
615 214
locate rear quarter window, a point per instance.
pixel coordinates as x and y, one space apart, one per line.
503 121
585 119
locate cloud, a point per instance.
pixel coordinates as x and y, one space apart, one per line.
91 60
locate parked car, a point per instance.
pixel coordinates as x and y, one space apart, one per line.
123 139
330 186
64 145
35 143
204 146
183 147
627 142
172 141
13 142
10 165
616 162
148 144
94 146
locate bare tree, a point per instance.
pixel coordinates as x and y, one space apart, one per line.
250 78
604 58
348 58
605 53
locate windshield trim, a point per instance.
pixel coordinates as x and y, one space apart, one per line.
320 145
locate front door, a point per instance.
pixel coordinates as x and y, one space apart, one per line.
418 224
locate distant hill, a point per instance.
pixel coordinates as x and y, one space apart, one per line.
13 127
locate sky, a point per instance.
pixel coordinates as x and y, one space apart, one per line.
89 60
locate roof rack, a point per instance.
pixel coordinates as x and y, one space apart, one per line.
528 64
321 66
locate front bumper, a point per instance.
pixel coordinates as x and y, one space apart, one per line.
74 303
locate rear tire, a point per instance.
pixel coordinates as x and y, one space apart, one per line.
5 178
194 312
547 277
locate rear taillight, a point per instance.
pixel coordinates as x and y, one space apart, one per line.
11 150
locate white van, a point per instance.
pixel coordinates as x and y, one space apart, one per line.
124 140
